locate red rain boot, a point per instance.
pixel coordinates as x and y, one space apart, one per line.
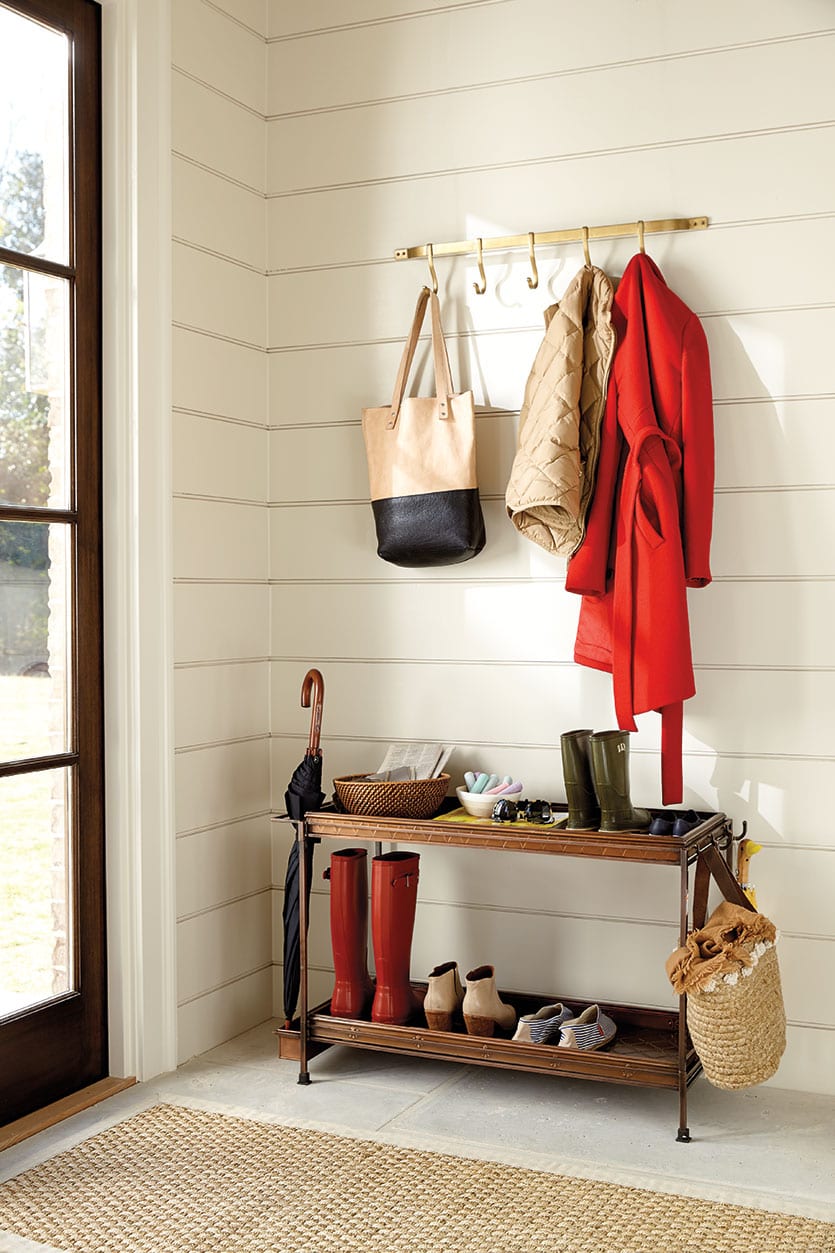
353 989
394 882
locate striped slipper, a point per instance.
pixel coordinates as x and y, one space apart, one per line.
592 1030
544 1025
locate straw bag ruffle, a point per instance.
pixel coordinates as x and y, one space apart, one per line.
729 971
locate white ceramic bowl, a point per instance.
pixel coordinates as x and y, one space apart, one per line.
476 803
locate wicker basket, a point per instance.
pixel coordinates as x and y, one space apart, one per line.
739 1029
409 798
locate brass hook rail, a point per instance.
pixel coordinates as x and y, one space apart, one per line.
573 234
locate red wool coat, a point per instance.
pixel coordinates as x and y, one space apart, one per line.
648 529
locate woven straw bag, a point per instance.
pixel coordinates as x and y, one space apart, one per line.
735 1012
738 1028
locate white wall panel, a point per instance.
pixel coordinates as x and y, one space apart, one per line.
362 144
767 533
360 63
763 444
464 621
715 270
219 220
772 443
213 621
221 784
213 540
288 19
339 543
223 863
207 45
337 383
559 886
565 886
220 702
328 463
768 355
762 534
252 13
215 458
219 296
730 179
805 966
807 1052
425 621
213 376
226 1012
763 624
752 356
454 703
216 132
212 212
222 945
795 889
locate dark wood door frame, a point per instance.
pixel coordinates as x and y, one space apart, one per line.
49 1052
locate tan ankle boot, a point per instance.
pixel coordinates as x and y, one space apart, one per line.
443 997
482 1007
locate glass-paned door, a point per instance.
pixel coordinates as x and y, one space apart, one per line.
52 953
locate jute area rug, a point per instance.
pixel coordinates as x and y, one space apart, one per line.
180 1180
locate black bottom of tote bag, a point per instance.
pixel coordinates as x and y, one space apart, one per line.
429 529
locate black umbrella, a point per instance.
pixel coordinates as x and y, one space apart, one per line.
304 792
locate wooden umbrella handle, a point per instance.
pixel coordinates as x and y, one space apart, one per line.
313 684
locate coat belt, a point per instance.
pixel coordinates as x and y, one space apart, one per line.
663 457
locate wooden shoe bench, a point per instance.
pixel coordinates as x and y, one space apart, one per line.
652 1048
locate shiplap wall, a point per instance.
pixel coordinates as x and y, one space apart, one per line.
391 124
221 534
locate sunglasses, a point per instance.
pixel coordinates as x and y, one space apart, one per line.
538 812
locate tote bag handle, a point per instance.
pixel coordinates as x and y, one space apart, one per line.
443 375
711 862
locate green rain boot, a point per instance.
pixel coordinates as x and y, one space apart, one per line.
610 771
583 809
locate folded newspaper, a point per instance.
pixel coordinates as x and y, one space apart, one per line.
412 761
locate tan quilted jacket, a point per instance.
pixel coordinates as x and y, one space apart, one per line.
552 478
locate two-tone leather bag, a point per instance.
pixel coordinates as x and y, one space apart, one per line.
422 463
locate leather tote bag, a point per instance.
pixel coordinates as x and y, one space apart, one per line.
422 463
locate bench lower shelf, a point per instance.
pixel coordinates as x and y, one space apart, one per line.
644 1053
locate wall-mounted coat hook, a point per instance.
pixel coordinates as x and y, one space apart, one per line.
533 277
640 229
466 247
430 257
480 288
586 253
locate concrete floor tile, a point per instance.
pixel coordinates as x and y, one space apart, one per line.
257 1048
